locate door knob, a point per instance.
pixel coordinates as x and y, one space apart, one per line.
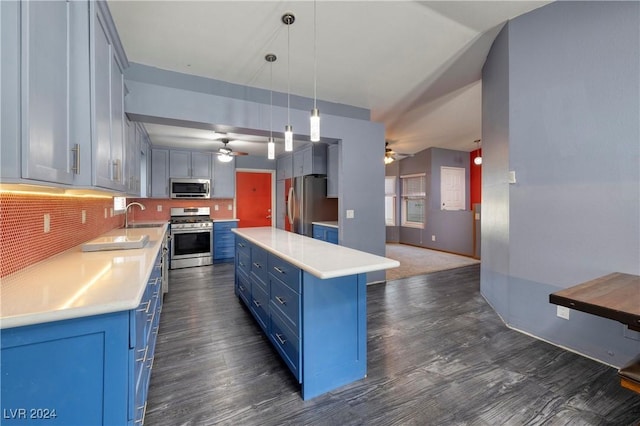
268 216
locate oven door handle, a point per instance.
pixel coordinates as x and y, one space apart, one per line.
190 231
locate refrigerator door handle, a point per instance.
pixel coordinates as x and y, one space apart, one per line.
290 206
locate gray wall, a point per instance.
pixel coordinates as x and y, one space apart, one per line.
561 108
453 229
173 96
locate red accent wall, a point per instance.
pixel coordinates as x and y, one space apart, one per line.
475 178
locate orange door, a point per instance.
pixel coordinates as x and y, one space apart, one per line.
253 199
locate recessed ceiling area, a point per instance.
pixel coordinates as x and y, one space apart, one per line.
415 65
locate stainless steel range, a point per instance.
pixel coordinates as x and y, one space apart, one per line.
192 237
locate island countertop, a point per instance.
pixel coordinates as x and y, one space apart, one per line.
76 284
321 259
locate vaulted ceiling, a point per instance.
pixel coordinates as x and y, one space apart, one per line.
415 64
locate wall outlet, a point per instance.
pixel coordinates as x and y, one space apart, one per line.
84 216
563 312
350 214
512 176
159 207
230 207
111 212
105 213
47 222
433 238
216 207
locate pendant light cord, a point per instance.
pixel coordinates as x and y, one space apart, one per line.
271 103
288 72
315 56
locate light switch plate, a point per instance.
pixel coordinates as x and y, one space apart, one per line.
84 216
350 214
47 222
512 176
216 207
159 207
563 312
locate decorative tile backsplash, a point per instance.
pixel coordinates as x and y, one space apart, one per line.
23 240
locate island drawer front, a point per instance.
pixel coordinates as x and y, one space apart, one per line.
224 226
244 262
285 272
243 246
244 287
259 263
260 307
287 343
287 301
257 282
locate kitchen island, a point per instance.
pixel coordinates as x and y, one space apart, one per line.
309 298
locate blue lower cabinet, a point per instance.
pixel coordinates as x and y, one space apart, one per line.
325 233
224 241
86 371
318 326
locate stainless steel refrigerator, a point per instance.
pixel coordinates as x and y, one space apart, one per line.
307 202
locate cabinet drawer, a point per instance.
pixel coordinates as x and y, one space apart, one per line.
259 263
285 272
243 263
243 246
332 236
223 239
243 286
286 342
287 302
260 307
257 282
318 232
223 226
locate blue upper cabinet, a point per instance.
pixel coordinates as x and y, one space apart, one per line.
107 103
284 167
310 160
45 70
224 179
62 95
190 164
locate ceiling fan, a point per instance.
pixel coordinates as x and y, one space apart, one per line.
226 154
390 155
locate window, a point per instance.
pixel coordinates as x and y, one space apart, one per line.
413 200
390 201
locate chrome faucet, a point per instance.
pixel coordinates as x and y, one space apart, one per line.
126 212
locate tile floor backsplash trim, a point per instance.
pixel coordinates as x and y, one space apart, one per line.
23 241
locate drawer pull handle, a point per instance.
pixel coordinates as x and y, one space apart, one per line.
279 270
257 265
241 245
242 264
255 302
280 339
146 309
281 300
241 288
144 351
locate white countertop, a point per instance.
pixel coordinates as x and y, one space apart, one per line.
225 220
330 224
319 258
75 284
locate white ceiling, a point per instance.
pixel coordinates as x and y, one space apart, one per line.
415 65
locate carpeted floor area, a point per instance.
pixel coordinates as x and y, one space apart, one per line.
417 261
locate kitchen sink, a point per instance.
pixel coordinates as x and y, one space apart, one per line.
145 225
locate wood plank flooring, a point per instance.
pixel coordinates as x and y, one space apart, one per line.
438 355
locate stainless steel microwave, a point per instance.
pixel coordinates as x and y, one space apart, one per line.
190 188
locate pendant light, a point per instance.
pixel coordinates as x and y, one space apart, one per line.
271 146
478 160
314 120
288 19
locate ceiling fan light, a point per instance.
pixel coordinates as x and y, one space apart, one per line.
224 158
271 150
288 138
388 159
315 125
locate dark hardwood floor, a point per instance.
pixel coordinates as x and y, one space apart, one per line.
438 355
